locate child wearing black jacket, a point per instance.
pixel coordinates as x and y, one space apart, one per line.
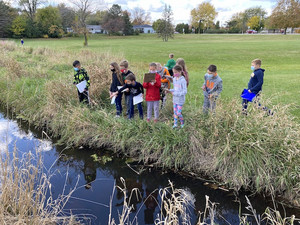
135 89
117 81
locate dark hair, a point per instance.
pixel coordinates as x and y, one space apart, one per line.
130 77
153 65
75 63
212 68
178 68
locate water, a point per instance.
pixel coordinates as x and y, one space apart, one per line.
96 180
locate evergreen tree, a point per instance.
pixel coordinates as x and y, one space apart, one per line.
128 28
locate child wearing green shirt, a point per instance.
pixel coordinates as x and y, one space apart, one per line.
171 63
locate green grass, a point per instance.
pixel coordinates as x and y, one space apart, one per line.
258 152
231 53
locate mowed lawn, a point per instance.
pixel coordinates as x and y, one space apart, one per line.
280 55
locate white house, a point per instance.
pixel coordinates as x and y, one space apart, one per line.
93 29
147 29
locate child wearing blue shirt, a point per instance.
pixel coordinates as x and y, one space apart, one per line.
255 83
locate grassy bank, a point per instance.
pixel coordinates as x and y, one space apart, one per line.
256 152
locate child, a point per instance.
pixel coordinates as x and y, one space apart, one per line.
134 89
165 83
181 63
170 64
212 88
125 72
22 42
153 94
80 75
117 80
179 92
255 85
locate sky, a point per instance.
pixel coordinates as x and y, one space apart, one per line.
182 8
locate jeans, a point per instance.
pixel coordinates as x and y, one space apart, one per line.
131 108
209 104
127 102
119 104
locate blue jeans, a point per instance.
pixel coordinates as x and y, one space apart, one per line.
131 108
119 104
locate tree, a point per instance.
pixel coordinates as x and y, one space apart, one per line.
217 25
19 26
205 12
113 22
83 10
46 17
181 27
30 7
254 23
156 24
166 29
96 18
7 16
55 31
140 16
128 29
67 16
286 14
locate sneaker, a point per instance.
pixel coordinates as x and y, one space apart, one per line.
117 116
182 125
155 121
174 126
148 120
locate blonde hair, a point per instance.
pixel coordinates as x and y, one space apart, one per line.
257 62
124 63
118 72
180 62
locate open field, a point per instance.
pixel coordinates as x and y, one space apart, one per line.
231 53
257 152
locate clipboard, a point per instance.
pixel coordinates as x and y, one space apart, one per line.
148 77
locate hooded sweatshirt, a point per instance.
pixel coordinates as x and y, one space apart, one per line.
213 85
179 91
256 81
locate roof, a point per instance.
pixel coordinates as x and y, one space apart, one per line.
95 27
141 26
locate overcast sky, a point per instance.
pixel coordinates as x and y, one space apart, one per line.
182 8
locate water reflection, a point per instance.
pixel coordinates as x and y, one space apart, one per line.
98 176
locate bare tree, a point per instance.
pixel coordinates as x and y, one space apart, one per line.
140 16
84 8
30 7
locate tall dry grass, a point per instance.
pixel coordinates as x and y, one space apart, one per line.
255 152
26 193
175 205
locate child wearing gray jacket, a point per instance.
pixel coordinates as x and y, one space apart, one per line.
212 88
179 92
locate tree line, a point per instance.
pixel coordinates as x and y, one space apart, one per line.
31 20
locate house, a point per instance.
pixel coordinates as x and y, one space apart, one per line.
147 29
93 29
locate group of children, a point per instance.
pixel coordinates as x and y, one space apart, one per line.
124 83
